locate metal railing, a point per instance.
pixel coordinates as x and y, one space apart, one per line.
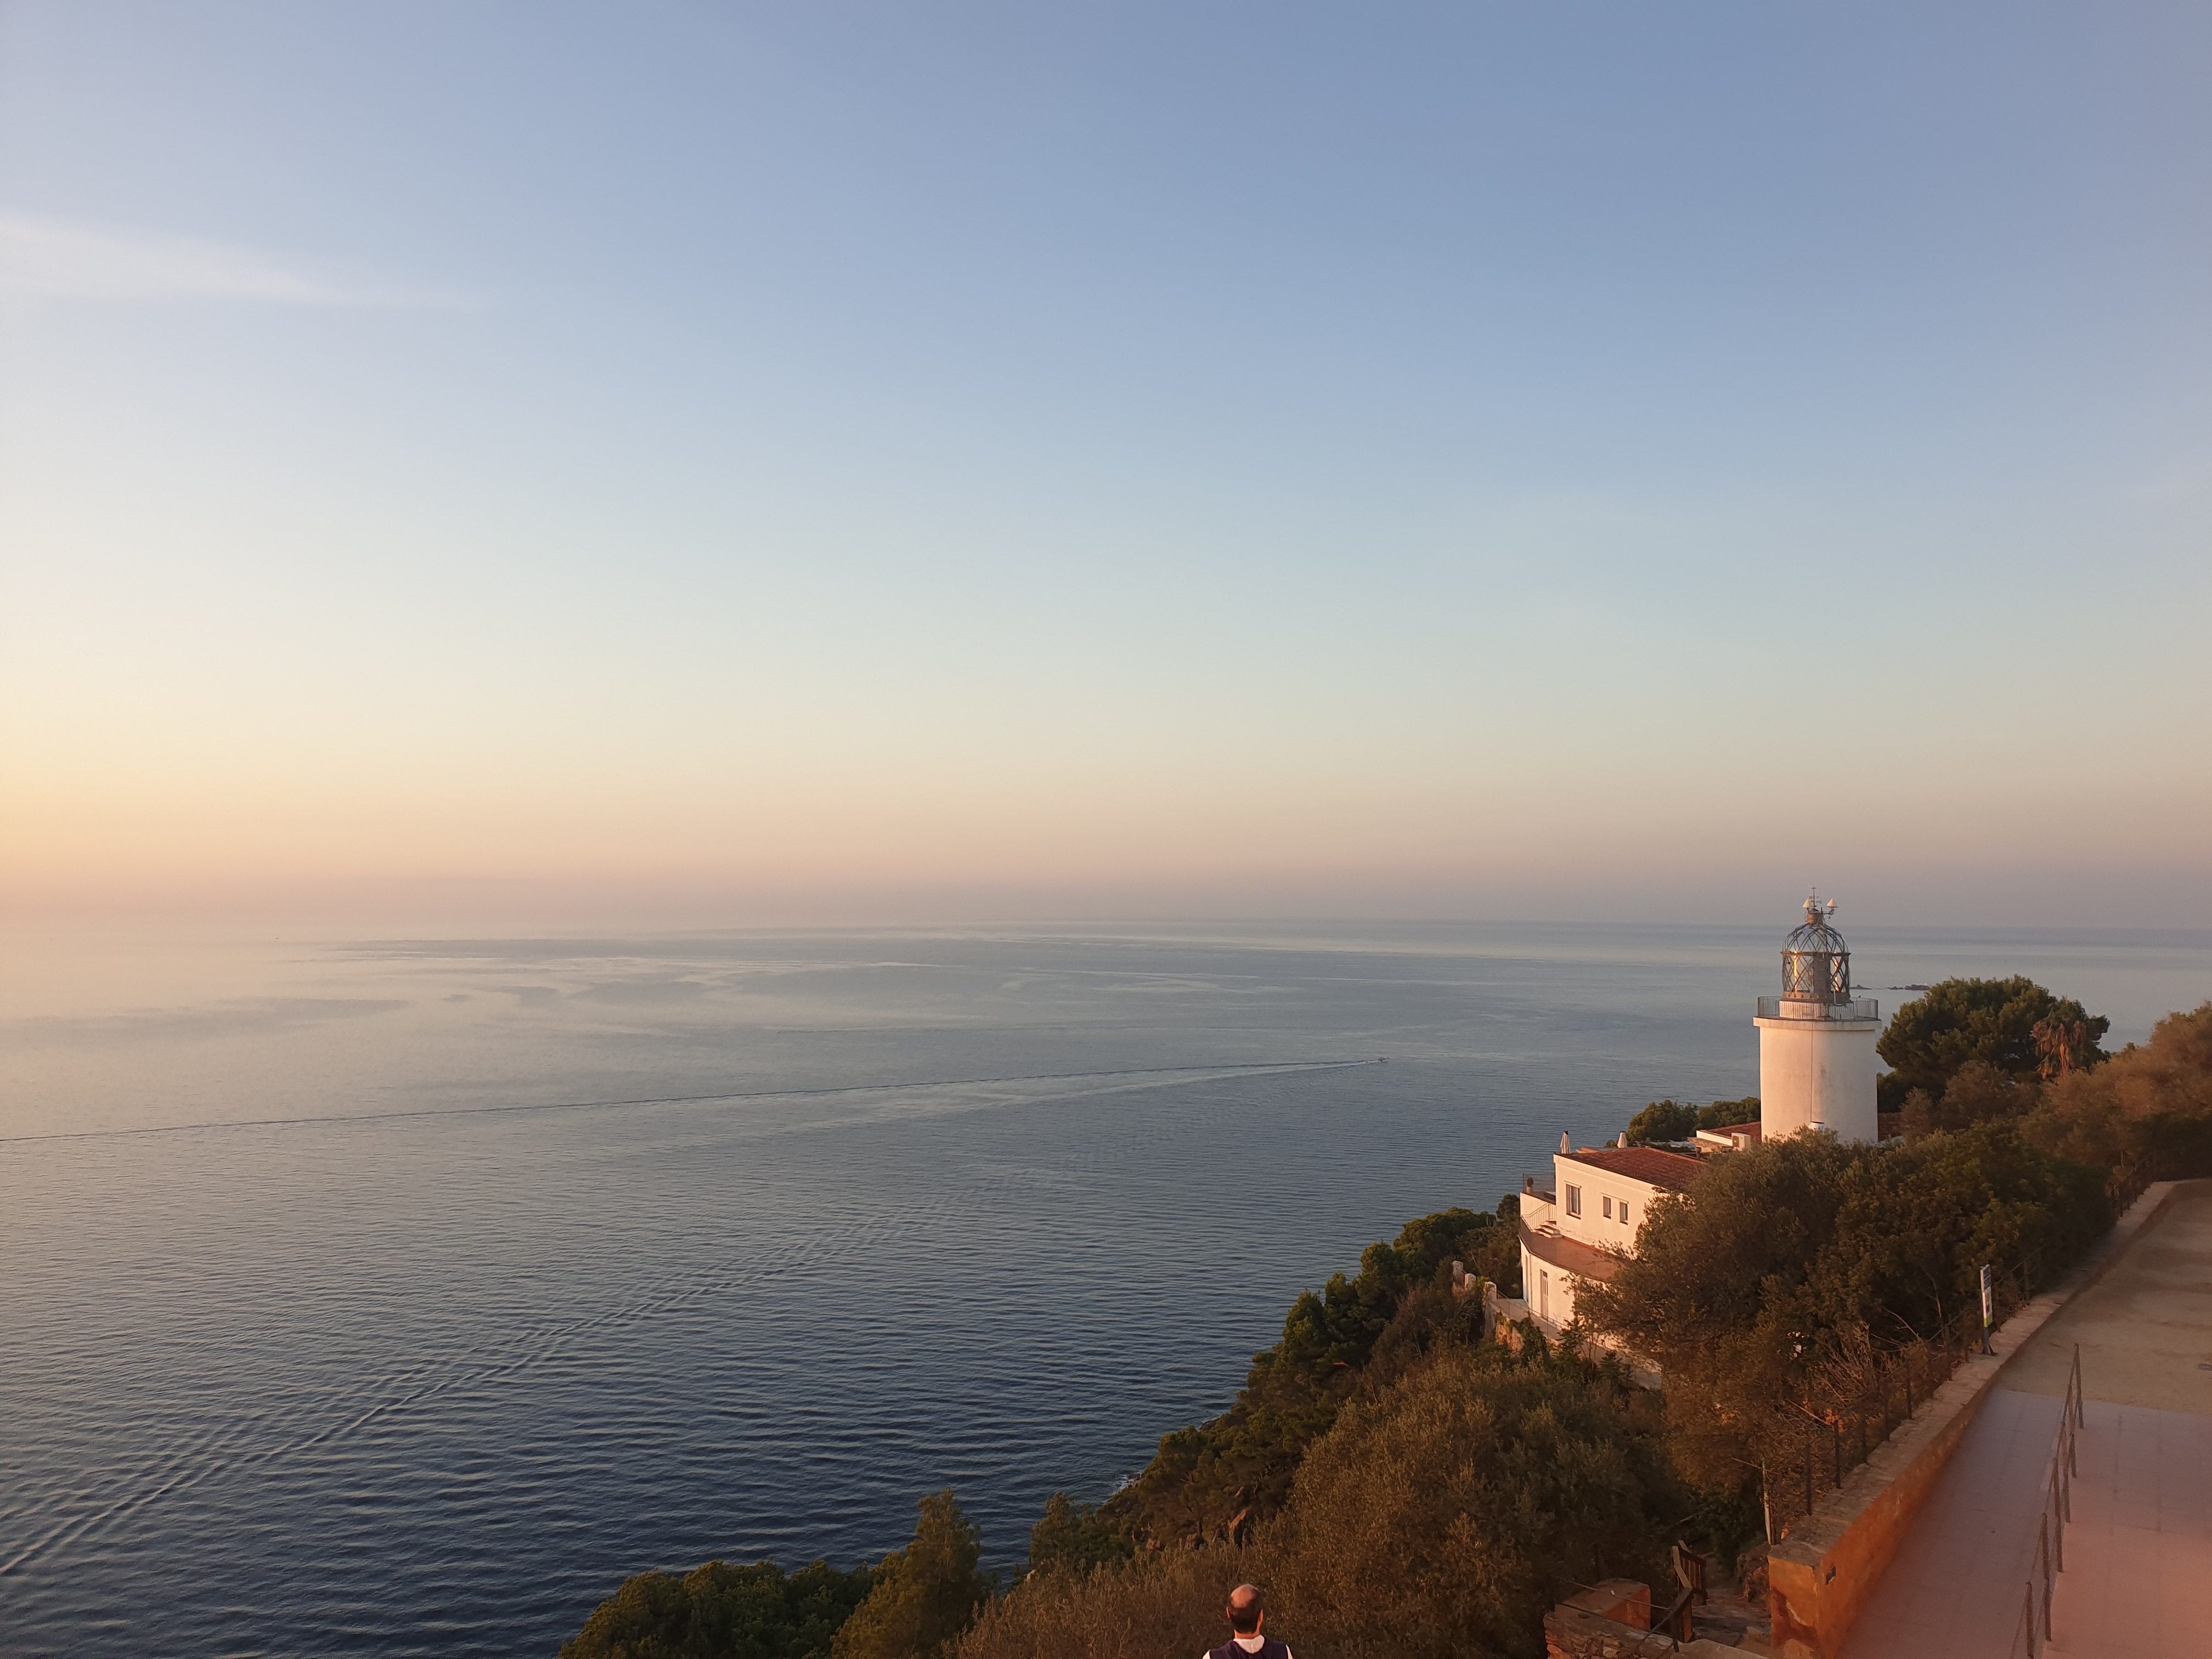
1817 1442
1805 1009
2032 1633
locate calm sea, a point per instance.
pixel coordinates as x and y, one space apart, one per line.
403 1298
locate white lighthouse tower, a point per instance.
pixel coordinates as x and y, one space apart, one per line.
1815 1042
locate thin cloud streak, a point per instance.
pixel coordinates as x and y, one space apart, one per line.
65 259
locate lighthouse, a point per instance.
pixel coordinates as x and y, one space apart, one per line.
1815 1041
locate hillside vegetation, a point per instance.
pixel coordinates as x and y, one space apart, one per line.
722 1612
1435 1517
1666 1121
1400 1487
1353 1337
1772 1284
2013 1027
1771 1296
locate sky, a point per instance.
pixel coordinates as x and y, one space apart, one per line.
869 462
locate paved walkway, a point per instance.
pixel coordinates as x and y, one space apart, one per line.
1954 1588
2145 1328
2138 1578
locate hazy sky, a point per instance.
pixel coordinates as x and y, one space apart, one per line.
868 462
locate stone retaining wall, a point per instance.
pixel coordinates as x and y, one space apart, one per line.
1611 1620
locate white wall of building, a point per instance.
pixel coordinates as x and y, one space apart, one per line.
1610 1206
1590 1205
1549 1291
1817 1071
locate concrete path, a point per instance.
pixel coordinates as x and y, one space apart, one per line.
1954 1591
2145 1328
2138 1578
2138 1554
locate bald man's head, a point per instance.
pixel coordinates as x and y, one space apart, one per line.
1244 1609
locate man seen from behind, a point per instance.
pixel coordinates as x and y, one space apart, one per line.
1246 1615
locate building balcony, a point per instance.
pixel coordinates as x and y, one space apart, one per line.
1862 1008
1569 1255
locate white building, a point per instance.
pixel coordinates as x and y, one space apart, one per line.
1816 1069
1816 1060
1585 1227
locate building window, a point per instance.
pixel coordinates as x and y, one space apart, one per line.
1608 1209
1624 1212
1543 1296
1574 1201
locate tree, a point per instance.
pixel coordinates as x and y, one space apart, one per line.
1437 1518
1727 1113
1496 1254
1792 1257
1696 1297
1913 1227
925 1595
1209 1479
1071 1536
1671 1120
1662 1120
1978 1093
2148 1111
1994 1020
722 1612
1157 1605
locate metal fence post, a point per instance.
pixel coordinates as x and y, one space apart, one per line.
2057 1505
2048 1586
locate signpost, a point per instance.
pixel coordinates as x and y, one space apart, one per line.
1989 1309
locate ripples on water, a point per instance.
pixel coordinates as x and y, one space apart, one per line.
404 1299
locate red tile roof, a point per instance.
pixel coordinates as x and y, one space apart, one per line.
1675 1171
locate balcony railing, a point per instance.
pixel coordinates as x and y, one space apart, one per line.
1795 1008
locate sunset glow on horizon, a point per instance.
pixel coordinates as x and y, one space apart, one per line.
870 464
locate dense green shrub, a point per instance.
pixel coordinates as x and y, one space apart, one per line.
722 1612
1441 1517
924 1595
1074 1538
1727 1114
1665 1121
1662 1120
1217 1479
2013 1025
1435 1518
2147 1113
1790 1260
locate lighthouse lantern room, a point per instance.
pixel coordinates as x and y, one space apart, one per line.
1816 1061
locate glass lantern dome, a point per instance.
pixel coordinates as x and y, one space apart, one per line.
1816 963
